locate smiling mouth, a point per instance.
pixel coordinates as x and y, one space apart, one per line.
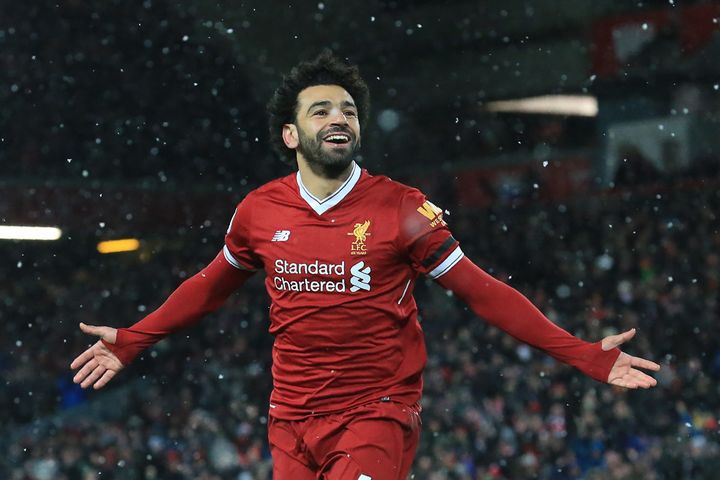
337 139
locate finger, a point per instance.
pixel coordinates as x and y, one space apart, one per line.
612 341
106 333
90 329
85 371
82 358
634 379
640 379
642 363
628 335
97 373
623 382
107 376
645 379
624 337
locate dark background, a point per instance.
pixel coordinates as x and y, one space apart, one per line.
148 120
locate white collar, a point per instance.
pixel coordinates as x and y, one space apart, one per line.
321 206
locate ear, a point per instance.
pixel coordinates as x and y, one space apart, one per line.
290 135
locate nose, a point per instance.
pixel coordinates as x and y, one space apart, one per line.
339 118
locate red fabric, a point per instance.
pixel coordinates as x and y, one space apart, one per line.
507 309
423 233
340 275
377 440
197 296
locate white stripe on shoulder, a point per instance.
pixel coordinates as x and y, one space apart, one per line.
232 260
447 264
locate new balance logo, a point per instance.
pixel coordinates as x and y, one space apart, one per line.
360 279
281 236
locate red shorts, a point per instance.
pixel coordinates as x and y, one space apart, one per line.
376 441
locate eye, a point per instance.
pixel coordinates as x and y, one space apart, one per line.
350 113
320 112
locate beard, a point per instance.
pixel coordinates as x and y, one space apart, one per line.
327 162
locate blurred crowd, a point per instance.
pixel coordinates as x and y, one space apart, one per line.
125 94
195 406
595 266
101 92
122 94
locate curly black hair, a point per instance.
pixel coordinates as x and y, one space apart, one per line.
325 69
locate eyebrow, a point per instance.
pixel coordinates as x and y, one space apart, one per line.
327 103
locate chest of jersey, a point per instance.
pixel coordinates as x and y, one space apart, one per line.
345 250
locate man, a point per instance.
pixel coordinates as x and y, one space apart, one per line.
342 250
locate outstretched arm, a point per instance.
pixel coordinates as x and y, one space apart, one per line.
197 296
507 309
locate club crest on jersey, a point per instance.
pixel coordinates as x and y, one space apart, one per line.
432 212
358 247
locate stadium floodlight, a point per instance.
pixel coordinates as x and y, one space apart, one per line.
573 105
120 245
27 232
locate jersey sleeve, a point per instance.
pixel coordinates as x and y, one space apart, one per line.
238 250
425 236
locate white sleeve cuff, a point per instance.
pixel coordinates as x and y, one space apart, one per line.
447 264
232 260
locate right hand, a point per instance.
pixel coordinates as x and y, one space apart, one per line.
99 364
624 372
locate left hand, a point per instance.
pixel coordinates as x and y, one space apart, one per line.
624 372
99 364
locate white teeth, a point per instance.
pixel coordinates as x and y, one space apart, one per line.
337 137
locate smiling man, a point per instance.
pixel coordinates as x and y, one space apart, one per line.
326 149
341 250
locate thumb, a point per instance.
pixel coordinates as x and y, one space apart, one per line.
106 333
612 341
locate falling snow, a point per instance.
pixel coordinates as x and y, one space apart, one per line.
151 123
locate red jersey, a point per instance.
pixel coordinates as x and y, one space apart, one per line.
340 274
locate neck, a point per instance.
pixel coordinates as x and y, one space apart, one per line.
318 185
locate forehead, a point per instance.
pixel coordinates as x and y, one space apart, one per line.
317 93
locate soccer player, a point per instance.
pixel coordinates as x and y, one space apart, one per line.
341 250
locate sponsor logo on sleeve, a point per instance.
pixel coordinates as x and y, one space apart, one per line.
432 212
